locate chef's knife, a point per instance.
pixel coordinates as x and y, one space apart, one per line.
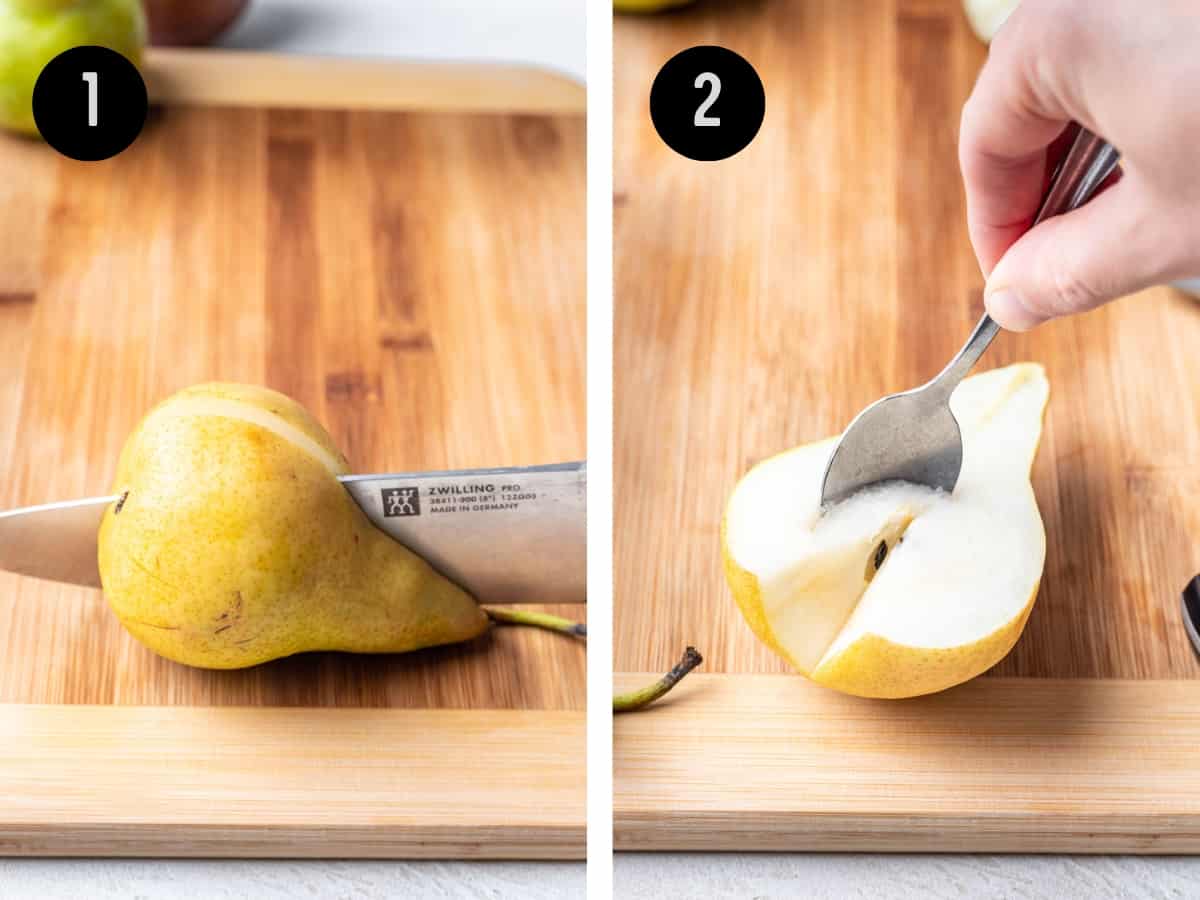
1190 603
509 535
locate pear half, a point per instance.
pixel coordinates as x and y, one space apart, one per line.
899 590
235 543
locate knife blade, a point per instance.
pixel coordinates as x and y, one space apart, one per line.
507 535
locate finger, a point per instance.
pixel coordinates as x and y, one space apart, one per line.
1114 245
1010 120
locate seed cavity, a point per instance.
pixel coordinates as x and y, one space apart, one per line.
875 560
881 553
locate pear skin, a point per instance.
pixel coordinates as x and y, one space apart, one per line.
235 544
33 32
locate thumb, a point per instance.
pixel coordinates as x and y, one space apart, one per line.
1112 246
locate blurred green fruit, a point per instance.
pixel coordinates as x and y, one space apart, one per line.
33 32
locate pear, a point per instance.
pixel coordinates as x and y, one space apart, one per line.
899 590
33 32
986 16
233 543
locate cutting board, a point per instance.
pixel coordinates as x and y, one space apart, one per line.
415 277
761 302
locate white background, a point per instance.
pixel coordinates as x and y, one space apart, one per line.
547 33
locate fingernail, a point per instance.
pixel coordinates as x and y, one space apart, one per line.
1007 309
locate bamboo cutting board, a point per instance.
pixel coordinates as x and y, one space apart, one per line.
761 302
416 279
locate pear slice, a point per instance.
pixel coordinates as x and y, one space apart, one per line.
234 543
899 590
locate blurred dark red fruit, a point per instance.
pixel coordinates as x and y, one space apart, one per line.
190 23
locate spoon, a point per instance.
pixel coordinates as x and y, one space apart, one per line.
913 436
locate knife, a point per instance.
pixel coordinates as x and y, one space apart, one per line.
507 535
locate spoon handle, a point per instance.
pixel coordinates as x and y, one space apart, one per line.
1090 160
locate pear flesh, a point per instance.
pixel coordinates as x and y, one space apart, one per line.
899 590
234 543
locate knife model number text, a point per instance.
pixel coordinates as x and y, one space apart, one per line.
479 497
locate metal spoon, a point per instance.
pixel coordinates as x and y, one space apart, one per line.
913 436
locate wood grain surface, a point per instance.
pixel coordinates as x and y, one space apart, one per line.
762 301
773 762
416 280
172 781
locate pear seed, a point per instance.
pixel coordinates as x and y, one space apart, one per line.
880 554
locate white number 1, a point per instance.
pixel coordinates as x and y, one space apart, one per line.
92 80
714 86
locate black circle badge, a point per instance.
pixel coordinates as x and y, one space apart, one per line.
90 103
707 103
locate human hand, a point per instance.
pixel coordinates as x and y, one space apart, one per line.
1127 71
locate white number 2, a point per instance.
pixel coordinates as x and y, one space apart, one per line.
714 86
92 80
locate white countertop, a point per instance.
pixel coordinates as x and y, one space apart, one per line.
173 879
825 876
651 876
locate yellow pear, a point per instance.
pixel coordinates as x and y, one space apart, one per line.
899 590
986 16
234 543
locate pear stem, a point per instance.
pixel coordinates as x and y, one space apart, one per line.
636 700
537 620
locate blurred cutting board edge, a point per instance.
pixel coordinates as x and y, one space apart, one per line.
211 77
